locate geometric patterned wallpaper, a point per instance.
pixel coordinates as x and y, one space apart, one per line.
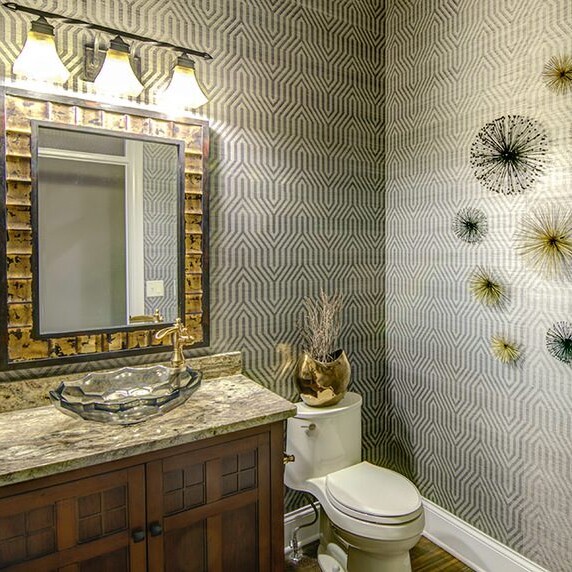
489 442
305 137
160 205
297 164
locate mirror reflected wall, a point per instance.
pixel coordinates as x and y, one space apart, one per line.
106 217
107 208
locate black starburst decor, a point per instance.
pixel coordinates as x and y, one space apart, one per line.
470 224
559 341
508 154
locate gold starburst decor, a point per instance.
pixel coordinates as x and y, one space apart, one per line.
505 350
486 288
557 74
544 240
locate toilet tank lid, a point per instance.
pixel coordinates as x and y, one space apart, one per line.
350 401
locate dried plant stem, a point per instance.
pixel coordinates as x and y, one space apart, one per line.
321 325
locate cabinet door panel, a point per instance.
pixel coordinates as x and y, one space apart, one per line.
239 539
76 526
27 532
211 503
186 549
118 560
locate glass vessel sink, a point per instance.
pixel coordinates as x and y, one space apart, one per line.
128 395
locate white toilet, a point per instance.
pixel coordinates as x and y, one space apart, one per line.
371 517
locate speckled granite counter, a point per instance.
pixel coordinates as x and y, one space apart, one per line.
43 441
26 393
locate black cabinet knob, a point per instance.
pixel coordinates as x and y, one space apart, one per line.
138 534
155 529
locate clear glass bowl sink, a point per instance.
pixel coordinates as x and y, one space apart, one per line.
127 395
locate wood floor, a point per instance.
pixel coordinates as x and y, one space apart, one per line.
426 557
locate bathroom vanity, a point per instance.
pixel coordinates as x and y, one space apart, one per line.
200 488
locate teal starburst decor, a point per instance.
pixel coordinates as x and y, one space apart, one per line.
470 224
559 341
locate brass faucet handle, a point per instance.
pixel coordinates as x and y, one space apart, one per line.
181 338
178 329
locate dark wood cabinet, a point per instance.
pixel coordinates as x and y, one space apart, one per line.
214 505
81 525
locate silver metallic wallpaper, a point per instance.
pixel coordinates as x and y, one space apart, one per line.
490 442
296 173
322 110
160 226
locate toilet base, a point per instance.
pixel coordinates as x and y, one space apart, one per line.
376 562
358 554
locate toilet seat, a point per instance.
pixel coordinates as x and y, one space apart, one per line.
373 494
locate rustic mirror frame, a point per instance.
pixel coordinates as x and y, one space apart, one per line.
18 346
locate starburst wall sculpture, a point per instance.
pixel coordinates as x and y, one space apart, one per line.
487 288
557 74
544 240
559 341
470 224
508 154
505 350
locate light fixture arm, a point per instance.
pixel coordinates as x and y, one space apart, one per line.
51 15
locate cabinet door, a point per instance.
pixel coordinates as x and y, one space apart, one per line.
81 526
209 509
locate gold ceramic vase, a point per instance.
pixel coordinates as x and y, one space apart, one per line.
321 384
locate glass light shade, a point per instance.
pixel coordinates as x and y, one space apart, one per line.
183 90
116 76
39 59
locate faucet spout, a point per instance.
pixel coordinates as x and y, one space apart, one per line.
180 338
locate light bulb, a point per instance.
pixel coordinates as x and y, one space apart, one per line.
39 59
116 76
183 90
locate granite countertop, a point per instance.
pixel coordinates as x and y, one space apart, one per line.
43 441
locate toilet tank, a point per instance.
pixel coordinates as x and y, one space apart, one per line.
323 440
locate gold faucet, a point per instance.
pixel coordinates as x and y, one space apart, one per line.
181 338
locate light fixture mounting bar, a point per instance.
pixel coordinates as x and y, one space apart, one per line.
51 15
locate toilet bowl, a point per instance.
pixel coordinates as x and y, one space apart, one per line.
371 516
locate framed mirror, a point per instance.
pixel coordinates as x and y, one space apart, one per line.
106 230
106 212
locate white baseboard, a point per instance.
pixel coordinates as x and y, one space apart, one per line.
471 546
466 543
297 517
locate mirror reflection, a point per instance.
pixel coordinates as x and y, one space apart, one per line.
106 230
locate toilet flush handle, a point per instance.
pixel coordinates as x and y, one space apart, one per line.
311 427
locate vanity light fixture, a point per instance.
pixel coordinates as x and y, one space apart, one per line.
39 59
183 90
116 76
